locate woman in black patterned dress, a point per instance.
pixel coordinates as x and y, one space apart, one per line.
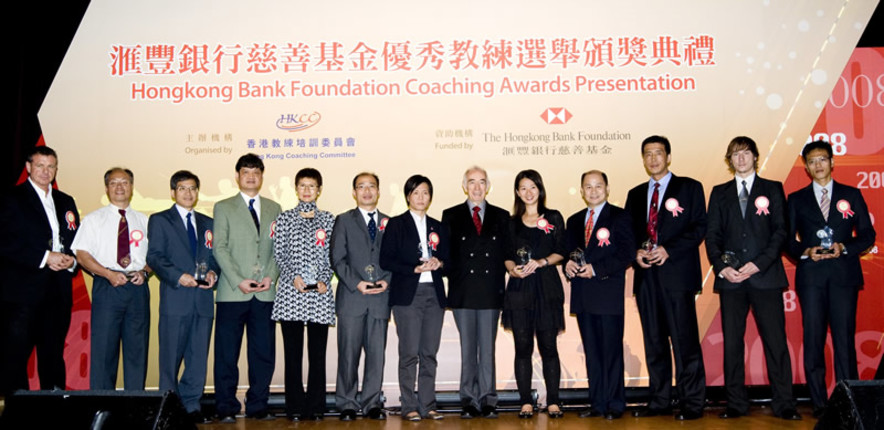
534 299
304 296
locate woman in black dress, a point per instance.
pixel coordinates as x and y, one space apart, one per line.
534 299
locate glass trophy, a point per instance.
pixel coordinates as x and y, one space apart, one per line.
420 253
578 258
649 245
202 269
309 277
372 277
523 256
730 259
257 274
826 236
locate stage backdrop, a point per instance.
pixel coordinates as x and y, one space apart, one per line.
399 87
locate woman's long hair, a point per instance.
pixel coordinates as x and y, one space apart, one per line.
518 204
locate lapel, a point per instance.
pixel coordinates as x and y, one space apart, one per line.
201 250
662 213
265 219
815 212
835 216
36 205
362 227
467 216
732 199
178 227
241 211
602 222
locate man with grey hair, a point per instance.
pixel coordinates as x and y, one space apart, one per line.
112 246
479 238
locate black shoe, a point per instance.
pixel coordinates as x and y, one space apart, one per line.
469 412
790 414
197 417
526 414
377 414
348 415
318 417
650 412
613 415
589 413
730 413
293 418
818 411
262 416
555 414
226 419
688 415
489 412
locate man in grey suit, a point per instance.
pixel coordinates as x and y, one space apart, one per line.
245 226
479 238
362 301
181 255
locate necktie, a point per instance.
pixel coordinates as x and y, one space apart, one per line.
123 241
254 214
587 233
824 204
372 227
476 220
744 198
191 234
652 214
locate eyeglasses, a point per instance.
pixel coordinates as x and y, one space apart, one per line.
182 189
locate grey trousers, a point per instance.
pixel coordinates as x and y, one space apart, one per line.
478 334
419 326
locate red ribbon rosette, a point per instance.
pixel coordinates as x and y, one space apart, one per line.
209 237
273 229
321 235
136 237
603 235
434 240
672 206
71 219
844 207
544 225
762 203
383 225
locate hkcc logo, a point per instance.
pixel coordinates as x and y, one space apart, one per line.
297 122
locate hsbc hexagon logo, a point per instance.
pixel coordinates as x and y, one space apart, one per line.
556 115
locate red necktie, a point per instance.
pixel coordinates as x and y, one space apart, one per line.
652 214
476 220
123 241
587 234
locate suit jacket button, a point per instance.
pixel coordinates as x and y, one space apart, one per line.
472 271
744 250
463 238
486 254
471 254
486 272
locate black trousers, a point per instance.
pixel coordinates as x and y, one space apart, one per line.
671 316
297 401
23 327
767 309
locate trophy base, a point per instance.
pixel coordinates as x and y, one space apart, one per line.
373 286
202 282
254 284
825 251
311 287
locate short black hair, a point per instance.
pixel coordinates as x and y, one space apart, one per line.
414 181
657 139
118 169
597 172
41 150
377 181
308 172
181 176
816 144
250 161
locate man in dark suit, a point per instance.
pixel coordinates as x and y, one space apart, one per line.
669 221
181 255
245 230
601 240
38 223
476 280
829 227
744 238
361 301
